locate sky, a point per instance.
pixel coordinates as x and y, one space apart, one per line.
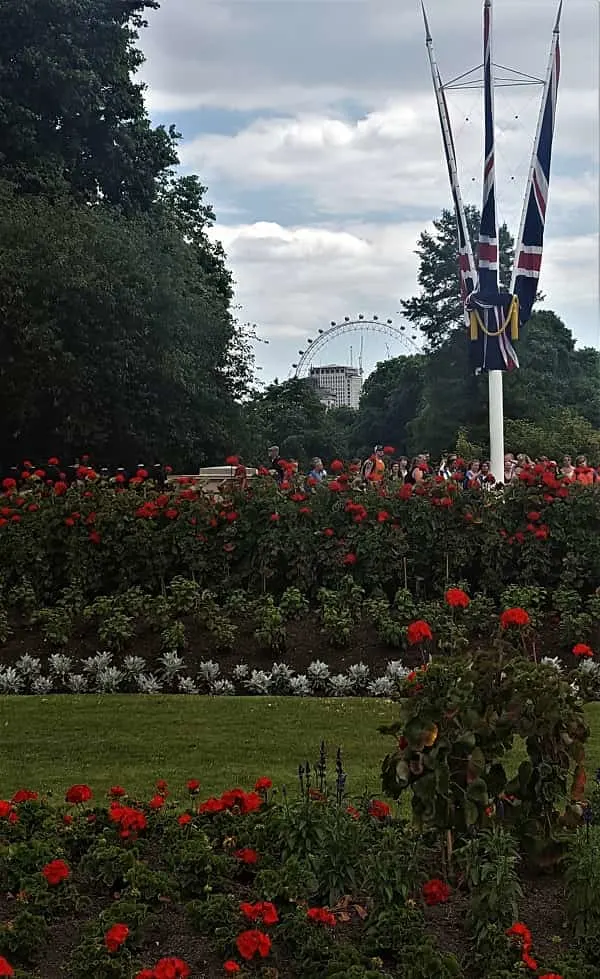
313 125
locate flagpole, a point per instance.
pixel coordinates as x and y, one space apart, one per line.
495 380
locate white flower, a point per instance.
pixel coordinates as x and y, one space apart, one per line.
358 674
552 661
240 672
77 683
318 675
186 685
341 685
259 682
396 669
10 680
109 680
133 665
222 688
382 686
208 670
42 684
300 686
101 661
29 666
281 675
148 683
59 664
172 664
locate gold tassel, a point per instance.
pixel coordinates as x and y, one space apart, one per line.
514 318
473 323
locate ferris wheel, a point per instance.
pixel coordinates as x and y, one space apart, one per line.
402 334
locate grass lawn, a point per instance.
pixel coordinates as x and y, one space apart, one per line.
50 742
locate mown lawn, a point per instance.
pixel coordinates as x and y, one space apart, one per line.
49 743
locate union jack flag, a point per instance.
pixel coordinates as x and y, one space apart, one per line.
528 251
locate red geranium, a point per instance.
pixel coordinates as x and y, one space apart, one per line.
337 466
247 855
582 651
232 461
349 560
263 784
457 598
230 967
24 795
116 791
321 915
263 911
418 631
55 872
6 968
115 937
78 794
129 820
514 616
435 892
192 785
185 819
379 810
253 942
171 968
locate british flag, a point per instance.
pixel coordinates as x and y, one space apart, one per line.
528 251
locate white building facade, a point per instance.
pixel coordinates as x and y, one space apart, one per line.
342 383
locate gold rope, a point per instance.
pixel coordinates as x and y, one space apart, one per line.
512 320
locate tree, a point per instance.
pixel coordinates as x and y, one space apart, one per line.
561 432
391 398
438 310
113 338
72 118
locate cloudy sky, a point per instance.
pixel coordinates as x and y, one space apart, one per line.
313 124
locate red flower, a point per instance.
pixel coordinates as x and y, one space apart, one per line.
157 802
418 631
162 786
337 466
211 806
435 892
232 461
185 819
251 943
457 598
548 975
379 810
263 784
115 937
275 518
6 968
514 616
94 537
263 911
232 516
335 486
230 967
349 560
24 795
247 855
521 933
382 516
353 812
116 791
388 450
55 872
192 785
529 961
583 651
171 969
129 820
533 516
78 794
321 915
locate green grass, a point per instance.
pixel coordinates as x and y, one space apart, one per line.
49 743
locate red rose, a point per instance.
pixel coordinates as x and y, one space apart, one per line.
115 937
418 631
78 794
583 651
435 892
457 598
514 616
55 872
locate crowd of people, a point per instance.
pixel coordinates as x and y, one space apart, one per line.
383 465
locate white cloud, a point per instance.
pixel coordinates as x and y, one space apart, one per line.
293 281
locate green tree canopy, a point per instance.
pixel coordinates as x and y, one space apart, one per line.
438 309
390 400
72 117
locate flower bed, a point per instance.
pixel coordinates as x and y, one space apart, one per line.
96 539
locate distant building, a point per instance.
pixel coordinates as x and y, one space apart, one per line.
341 386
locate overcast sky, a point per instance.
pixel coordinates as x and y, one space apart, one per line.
314 127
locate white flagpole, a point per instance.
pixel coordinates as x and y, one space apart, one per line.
495 380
